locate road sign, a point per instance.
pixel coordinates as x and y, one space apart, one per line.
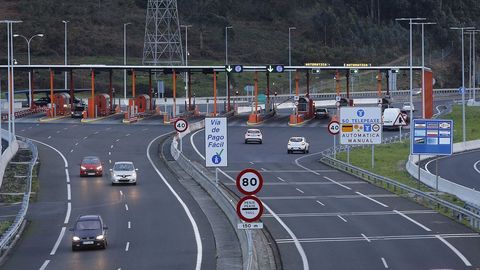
250 226
180 125
338 98
249 181
401 120
275 68
296 103
249 209
234 68
262 98
296 98
432 137
461 90
360 125
334 127
216 142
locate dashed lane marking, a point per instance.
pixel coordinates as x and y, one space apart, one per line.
279 178
127 246
59 239
371 199
366 238
299 190
384 263
456 251
44 265
319 202
412 220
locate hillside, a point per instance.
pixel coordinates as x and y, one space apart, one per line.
331 31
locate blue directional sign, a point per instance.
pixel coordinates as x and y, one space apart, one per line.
275 68
234 68
432 137
216 142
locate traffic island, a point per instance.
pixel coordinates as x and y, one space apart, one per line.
254 119
296 120
88 120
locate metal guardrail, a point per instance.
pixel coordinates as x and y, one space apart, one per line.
12 231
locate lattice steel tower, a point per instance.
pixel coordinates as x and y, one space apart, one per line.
163 40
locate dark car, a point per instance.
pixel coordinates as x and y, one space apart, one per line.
89 232
42 102
77 111
321 113
91 166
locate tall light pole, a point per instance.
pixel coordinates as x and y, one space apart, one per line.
226 59
423 62
186 57
411 70
463 81
290 58
474 62
125 59
28 40
65 22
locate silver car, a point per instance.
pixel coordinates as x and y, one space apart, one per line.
123 172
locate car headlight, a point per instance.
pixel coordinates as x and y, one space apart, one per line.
100 237
76 238
134 174
99 168
83 168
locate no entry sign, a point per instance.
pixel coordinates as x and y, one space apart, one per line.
249 209
249 181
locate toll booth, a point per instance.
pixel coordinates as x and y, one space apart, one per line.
62 104
306 107
102 104
143 103
131 115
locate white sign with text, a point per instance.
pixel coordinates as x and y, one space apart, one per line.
360 125
216 154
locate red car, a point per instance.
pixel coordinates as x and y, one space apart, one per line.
91 166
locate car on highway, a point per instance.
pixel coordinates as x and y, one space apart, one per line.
77 111
89 231
123 172
42 102
253 135
321 113
297 144
407 106
91 166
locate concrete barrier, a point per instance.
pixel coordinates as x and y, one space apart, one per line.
8 154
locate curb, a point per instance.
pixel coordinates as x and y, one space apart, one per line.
50 119
88 120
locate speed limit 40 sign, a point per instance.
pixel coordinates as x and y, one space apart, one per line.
334 127
249 181
181 125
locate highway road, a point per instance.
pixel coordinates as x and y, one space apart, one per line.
461 168
153 225
325 219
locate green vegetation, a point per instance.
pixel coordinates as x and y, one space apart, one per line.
4 226
14 183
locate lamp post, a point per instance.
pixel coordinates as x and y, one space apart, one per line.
65 22
186 58
125 59
463 80
28 40
226 59
290 58
423 61
474 56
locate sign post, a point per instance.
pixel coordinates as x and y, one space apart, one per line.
216 154
181 126
334 129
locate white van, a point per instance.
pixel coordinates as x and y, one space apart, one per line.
389 117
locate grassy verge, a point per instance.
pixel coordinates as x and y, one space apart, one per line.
14 183
4 226
390 159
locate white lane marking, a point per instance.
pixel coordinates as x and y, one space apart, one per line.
65 128
49 137
295 239
335 182
109 153
366 238
96 132
460 255
127 246
289 231
145 129
69 193
111 146
68 176
121 193
126 207
378 238
44 265
128 134
71 151
384 263
196 231
76 143
117 140
251 162
85 137
69 210
279 178
428 163
22 130
263 169
371 199
475 166
58 131
340 217
413 221
59 239
299 190
109 161
129 225
320 203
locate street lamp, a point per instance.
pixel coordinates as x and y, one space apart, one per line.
290 58
186 57
226 58
463 80
125 59
65 22
29 71
474 56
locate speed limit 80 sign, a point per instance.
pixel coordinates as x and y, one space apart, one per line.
249 181
181 125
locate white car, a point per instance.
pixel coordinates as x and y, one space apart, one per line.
123 172
253 135
407 106
297 144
